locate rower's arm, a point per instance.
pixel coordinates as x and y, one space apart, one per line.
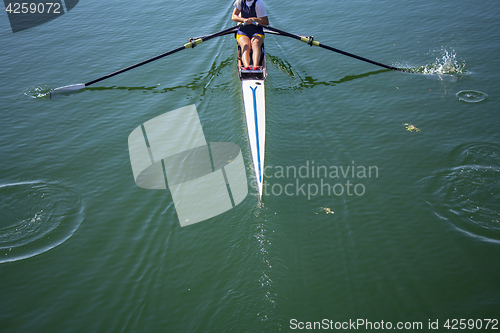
261 20
236 16
264 20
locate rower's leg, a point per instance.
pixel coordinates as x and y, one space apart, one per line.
256 47
244 42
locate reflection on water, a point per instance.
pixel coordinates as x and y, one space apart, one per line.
308 81
200 82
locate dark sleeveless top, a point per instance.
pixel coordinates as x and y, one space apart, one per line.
247 12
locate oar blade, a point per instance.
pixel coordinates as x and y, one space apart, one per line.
66 90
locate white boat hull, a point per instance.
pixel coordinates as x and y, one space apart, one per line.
255 113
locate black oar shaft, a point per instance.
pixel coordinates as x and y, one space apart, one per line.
359 57
316 43
136 65
191 44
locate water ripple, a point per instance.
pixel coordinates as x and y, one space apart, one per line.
468 193
36 217
471 96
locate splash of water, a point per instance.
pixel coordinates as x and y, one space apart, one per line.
446 63
40 91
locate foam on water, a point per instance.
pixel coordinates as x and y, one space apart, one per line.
40 91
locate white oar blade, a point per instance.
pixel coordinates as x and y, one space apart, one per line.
66 90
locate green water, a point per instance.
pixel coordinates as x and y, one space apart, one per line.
85 249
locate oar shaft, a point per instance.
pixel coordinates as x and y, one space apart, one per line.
360 58
136 65
316 43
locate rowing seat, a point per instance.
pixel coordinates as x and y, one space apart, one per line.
259 74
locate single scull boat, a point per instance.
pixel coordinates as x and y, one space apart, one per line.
252 82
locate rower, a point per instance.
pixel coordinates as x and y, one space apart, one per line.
250 37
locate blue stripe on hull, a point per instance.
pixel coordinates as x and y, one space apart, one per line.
256 130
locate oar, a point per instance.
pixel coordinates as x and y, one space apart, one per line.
192 43
312 42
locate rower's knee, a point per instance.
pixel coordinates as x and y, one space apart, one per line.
245 46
